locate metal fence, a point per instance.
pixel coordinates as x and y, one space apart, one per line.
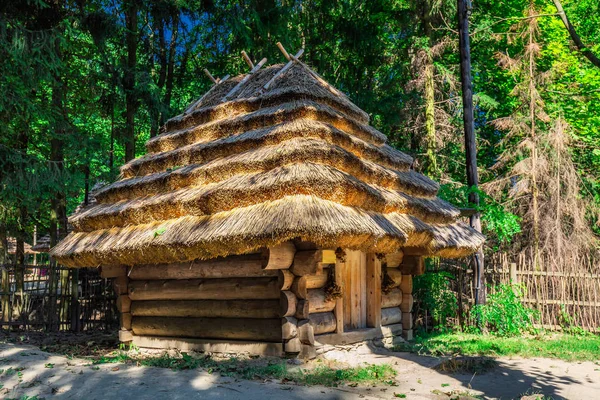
55 298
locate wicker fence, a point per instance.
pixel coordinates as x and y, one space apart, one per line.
44 298
565 295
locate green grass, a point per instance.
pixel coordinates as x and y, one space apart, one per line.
560 346
251 369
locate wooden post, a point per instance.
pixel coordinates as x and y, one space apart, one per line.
513 273
373 291
470 141
339 302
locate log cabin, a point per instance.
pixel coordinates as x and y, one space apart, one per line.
268 218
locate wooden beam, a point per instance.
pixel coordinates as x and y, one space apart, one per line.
112 271
322 322
280 256
393 260
247 59
282 70
373 291
317 302
210 76
359 335
412 265
306 262
391 299
244 80
390 316
339 302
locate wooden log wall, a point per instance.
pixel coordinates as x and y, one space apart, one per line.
235 298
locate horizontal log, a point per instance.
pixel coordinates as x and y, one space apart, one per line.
206 308
306 262
413 265
391 299
407 303
396 276
393 260
407 284
407 321
279 257
316 281
317 302
322 322
125 336
125 319
244 266
390 316
288 303
302 309
251 347
120 285
292 346
124 303
268 330
112 271
205 289
299 287
306 332
289 328
285 279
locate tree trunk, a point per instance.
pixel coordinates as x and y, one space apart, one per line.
131 38
470 142
582 47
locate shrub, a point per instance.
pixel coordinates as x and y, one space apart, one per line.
504 313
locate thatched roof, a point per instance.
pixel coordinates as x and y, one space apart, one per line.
297 160
42 244
12 246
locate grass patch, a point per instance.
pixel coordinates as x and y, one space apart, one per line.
559 346
255 369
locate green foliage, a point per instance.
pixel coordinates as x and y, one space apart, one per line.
499 224
432 290
504 313
561 346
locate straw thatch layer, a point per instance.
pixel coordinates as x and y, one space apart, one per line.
206 151
247 229
262 166
260 159
252 96
243 190
261 118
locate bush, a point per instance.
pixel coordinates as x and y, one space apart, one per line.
504 313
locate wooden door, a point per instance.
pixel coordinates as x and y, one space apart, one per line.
355 290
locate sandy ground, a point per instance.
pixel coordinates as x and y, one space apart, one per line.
27 372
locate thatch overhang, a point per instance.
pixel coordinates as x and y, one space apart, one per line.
297 160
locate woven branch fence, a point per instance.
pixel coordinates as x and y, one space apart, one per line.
55 298
564 294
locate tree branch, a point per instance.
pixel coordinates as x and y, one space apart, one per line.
584 50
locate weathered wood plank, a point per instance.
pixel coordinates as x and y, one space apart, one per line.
322 322
390 316
317 302
373 283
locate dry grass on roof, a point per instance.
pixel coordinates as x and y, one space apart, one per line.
261 118
244 190
295 80
264 158
243 230
203 152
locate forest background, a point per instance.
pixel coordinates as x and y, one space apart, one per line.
85 83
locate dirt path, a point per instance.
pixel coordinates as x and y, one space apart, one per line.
28 371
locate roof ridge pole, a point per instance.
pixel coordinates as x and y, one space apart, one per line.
216 81
291 61
254 69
